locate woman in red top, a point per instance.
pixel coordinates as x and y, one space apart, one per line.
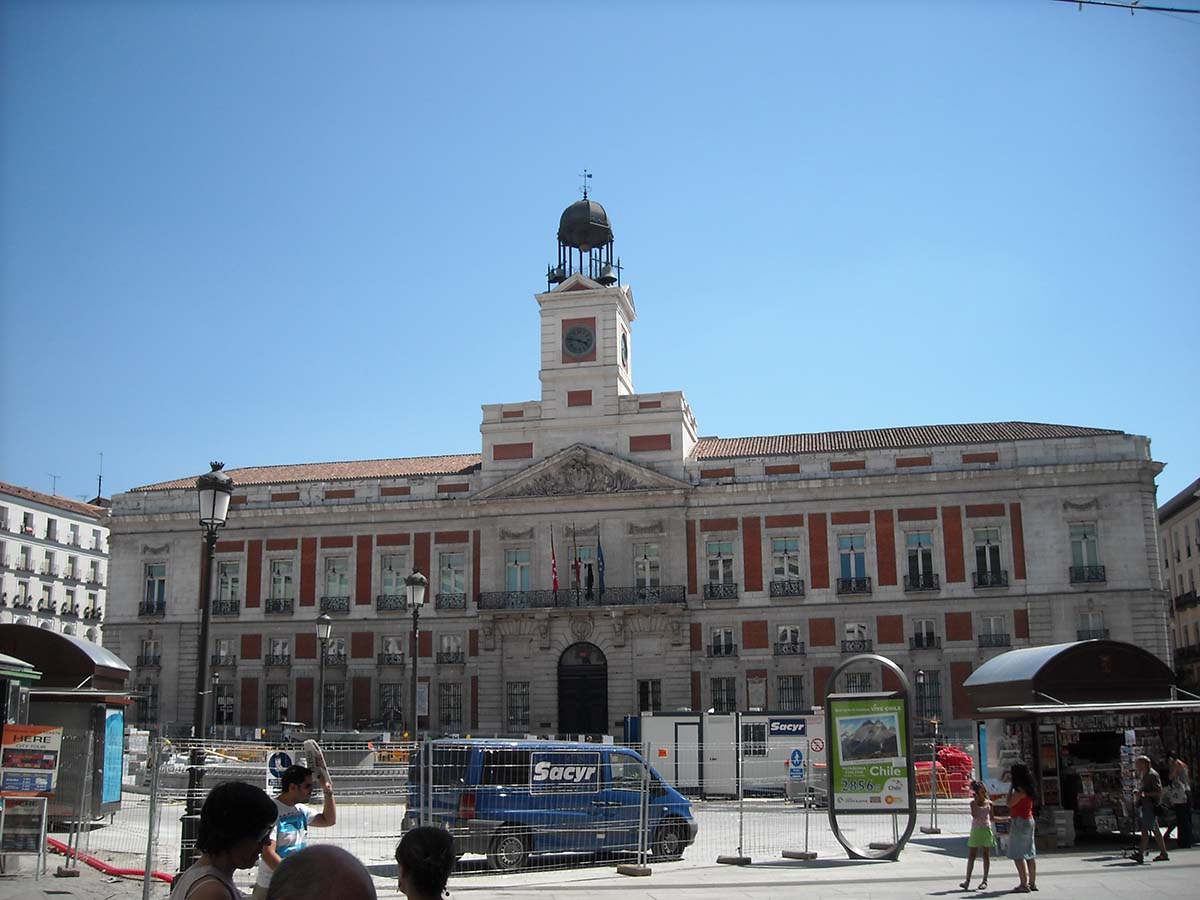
1021 851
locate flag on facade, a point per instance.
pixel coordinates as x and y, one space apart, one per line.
576 564
599 559
553 562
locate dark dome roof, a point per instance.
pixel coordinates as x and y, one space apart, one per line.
584 225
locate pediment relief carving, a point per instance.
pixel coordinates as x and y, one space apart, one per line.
582 470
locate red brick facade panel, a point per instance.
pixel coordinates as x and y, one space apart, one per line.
455 488
697 702
249 712
752 565
281 544
251 646
821 633
818 550
1018 539
918 514
820 680
650 404
862 517
729 524
910 462
306 645
337 542
646 443
889 679
579 398
473 642
362 574
237 500
981 457
450 537
952 537
285 497
697 637
512 451
339 494
796 521
426 644
398 490
254 557
421 554
716 473
361 693
304 700
392 540
847 465
890 629
754 635
960 702
885 546
231 546
958 626
1021 624
362 645
513 414
783 469
984 510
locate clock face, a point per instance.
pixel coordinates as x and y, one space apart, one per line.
579 340
624 350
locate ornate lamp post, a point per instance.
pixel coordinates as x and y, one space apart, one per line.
414 589
324 630
214 490
216 681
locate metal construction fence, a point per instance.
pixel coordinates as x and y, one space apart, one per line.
518 807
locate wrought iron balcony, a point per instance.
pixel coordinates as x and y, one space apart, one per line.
450 601
854 585
1186 601
69 609
1092 634
228 606
927 581
391 602
995 640
93 615
860 646
1087 574
335 659
570 598
219 660
24 565
924 642
721 590
792 587
149 661
335 604
998 578
280 605
71 576
152 609
277 659
94 580
722 649
789 648
451 656
391 659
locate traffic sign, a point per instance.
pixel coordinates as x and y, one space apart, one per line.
277 762
816 745
796 764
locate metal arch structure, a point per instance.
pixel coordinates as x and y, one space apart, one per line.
891 851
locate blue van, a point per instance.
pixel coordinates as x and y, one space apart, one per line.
508 799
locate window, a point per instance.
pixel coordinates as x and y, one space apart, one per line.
993 625
724 695
587 559
93 601
789 639
26 559
649 695
23 593
391 703
225 649
27 523
46 602
94 572
720 562
277 703
224 703
856 631
627 773
722 642
501 768
335 650
72 567
451 648
924 634
335 706
929 698
1187 538
754 739
516 570
228 581
919 545
393 571
987 557
785 559
74 535
96 539
452 573
283 586
646 566
791 693
1091 625
1084 550
393 649
3 518
156 584
857 682
450 705
52 529
147 703
518 704
337 576
853 555
70 604
280 649
48 562
151 653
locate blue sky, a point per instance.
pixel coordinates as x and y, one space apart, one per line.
282 232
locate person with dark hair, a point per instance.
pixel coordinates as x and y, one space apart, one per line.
1147 797
1021 850
424 859
295 818
981 838
320 872
1178 794
235 821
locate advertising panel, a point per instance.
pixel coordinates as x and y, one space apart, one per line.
564 772
114 755
868 766
29 759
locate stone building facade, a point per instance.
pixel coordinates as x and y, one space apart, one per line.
1179 530
692 572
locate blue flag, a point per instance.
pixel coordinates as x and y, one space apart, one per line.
599 560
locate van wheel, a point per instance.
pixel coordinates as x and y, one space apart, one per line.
668 841
508 852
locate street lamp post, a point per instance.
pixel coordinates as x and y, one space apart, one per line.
214 490
932 827
324 630
414 589
216 681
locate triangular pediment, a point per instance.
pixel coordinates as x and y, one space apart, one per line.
578 470
578 282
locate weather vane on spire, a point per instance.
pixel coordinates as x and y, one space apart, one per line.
585 176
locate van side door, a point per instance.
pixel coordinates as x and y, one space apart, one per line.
620 796
566 810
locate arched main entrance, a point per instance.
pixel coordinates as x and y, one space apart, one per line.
583 690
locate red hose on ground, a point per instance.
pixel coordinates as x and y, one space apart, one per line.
105 867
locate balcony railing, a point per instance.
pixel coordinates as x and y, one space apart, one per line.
219 660
152 609
69 609
391 602
995 640
24 565
1186 601
720 590
450 601
927 581
277 659
391 659
94 580
280 605
93 615
789 648
863 645
924 642
792 587
152 661
451 656
570 598
722 650
854 585
1092 634
71 575
1087 574
998 578
335 659
335 604
229 606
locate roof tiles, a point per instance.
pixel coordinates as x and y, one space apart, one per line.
80 509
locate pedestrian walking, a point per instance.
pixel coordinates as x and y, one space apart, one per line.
1021 849
1178 795
424 859
295 818
981 839
235 822
321 872
1146 799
